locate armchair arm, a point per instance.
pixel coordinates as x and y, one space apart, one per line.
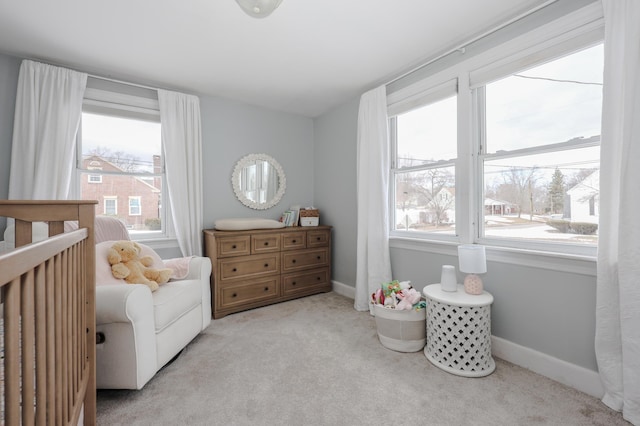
200 270
123 303
127 358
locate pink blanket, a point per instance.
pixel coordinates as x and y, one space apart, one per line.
180 266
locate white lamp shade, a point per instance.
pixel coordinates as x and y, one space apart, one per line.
259 8
472 259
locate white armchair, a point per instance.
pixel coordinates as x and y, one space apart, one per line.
139 331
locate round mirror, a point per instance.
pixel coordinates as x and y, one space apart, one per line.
258 181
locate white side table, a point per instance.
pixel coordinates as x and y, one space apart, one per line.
459 331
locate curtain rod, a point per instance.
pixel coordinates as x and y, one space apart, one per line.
99 77
461 47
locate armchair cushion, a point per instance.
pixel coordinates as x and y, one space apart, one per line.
173 300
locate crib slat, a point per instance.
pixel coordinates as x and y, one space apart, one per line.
12 352
28 346
23 233
58 339
41 345
51 339
55 228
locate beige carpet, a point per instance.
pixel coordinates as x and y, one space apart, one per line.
317 361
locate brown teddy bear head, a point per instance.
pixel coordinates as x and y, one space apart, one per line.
123 251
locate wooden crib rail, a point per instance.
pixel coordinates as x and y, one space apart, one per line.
49 315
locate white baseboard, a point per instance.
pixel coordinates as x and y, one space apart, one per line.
580 378
344 289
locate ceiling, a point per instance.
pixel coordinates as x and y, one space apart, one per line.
306 58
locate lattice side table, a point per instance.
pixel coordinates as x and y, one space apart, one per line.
459 331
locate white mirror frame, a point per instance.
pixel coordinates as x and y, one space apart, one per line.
235 181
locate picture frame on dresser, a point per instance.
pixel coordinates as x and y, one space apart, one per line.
259 267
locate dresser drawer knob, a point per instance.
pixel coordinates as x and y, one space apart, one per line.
266 289
266 243
295 241
266 265
318 239
234 270
293 261
234 295
234 246
319 257
293 283
319 278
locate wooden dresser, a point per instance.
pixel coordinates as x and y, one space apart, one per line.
262 266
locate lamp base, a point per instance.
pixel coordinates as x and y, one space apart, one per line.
473 284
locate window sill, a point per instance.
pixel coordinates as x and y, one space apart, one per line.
561 262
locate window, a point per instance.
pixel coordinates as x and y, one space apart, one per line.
110 206
120 135
134 206
94 165
509 155
425 141
540 153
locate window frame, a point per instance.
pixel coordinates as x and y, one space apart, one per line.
438 92
139 206
110 198
562 36
124 105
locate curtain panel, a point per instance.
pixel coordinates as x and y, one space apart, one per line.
182 145
47 116
373 156
617 340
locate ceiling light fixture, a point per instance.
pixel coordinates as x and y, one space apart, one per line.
259 8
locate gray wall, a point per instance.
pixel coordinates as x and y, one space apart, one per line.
335 185
548 311
9 67
231 130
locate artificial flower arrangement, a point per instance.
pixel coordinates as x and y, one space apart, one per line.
398 295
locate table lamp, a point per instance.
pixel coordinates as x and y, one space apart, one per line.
472 260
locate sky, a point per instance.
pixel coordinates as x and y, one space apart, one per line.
521 112
136 137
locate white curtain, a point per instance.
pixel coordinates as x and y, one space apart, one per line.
47 115
182 144
373 259
618 282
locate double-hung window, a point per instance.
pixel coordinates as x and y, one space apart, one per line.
540 152
506 151
120 136
424 140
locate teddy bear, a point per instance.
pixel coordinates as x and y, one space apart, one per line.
124 258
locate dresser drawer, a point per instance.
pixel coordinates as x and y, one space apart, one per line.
294 240
233 246
247 292
304 281
258 267
318 238
265 243
248 266
303 259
